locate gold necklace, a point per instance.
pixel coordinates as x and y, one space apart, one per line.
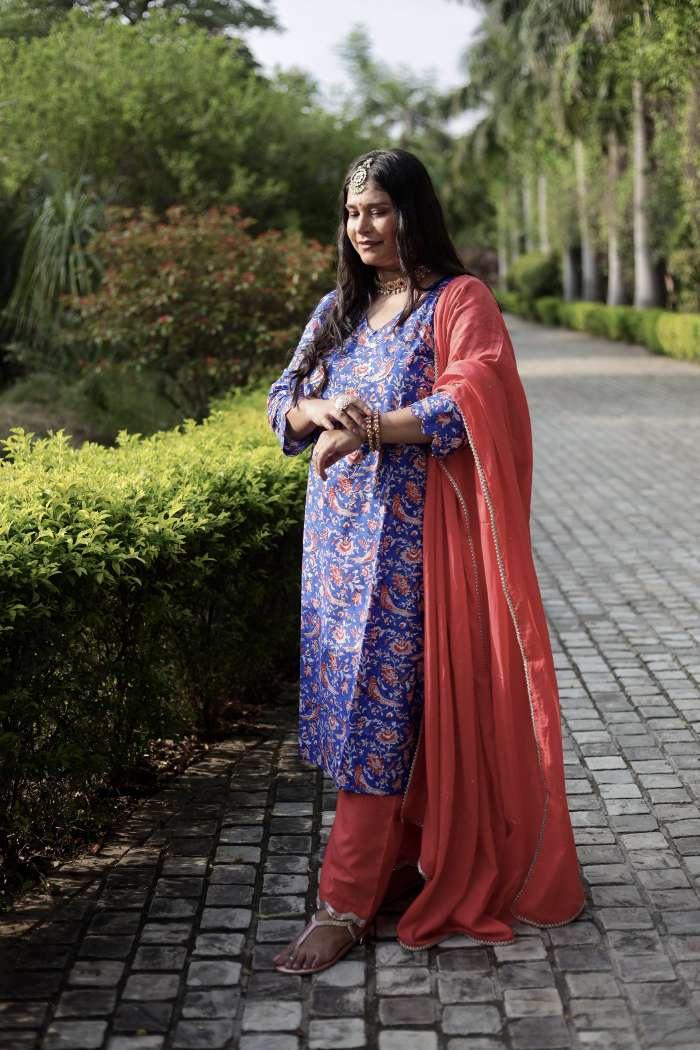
399 284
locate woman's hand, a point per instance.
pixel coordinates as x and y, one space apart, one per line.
323 412
331 446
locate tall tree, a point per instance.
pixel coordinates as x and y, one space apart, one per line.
28 18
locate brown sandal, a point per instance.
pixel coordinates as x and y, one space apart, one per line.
313 925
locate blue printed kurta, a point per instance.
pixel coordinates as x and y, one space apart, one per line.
361 673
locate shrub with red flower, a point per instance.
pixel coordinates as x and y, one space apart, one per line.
199 299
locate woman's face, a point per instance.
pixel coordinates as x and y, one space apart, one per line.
371 226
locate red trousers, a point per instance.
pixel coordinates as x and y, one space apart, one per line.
368 841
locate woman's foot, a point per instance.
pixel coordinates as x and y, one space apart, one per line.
320 947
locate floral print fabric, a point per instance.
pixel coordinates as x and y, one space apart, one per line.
361 689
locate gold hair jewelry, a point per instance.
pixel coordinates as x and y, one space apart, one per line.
400 284
358 179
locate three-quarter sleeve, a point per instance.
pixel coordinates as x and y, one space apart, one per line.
441 420
279 398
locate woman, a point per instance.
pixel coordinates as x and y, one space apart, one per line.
427 686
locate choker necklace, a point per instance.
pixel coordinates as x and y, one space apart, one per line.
399 284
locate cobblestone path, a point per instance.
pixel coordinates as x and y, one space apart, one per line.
164 939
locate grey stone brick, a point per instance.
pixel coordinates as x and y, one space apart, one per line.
106 947
96 974
463 960
172 908
75 1035
203 1035
236 873
536 974
600 1013
22 1014
213 973
269 1042
345 974
183 887
344 1033
229 895
464 1020
533 1002
166 933
273 985
271 1016
461 988
413 1010
215 944
539 1033
331 1001
136 1042
226 919
237 855
211 1003
92 1002
142 1017
159 957
151 987
405 980
408 1041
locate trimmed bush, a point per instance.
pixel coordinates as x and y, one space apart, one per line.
661 331
198 299
514 303
547 309
534 275
679 335
144 588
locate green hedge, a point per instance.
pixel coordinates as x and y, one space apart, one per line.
662 331
143 588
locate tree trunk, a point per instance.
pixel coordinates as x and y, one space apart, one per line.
589 262
569 275
527 212
646 289
502 259
616 291
542 219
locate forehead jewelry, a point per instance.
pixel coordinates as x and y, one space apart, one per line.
360 175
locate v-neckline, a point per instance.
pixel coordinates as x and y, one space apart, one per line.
376 331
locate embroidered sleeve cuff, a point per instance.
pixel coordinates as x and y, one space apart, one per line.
440 419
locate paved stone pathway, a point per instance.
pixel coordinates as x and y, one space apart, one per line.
164 939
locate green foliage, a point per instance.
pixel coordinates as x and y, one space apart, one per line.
555 81
547 309
198 300
515 303
144 588
173 114
662 331
29 18
679 335
534 275
56 256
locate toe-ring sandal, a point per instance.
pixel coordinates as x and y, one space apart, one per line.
313 925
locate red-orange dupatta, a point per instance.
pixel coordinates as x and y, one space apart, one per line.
487 783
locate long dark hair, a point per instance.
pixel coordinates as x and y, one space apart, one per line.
421 240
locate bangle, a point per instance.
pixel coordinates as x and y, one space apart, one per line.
373 431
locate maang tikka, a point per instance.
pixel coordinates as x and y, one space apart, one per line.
360 175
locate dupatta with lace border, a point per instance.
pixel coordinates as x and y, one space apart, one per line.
487 784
